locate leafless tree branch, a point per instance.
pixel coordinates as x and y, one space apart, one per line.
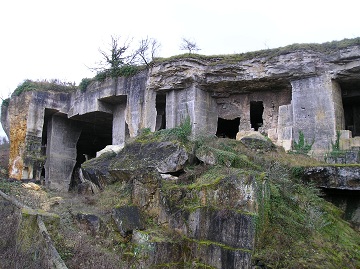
189 45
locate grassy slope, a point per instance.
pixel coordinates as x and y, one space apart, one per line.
295 227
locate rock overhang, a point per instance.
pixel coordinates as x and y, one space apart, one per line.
210 88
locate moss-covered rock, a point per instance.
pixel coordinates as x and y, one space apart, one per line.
165 157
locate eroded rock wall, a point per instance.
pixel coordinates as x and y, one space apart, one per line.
61 153
194 103
18 111
317 111
238 105
299 91
26 114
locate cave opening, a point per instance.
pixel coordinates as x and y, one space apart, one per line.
96 134
347 200
94 137
256 114
351 105
160 105
228 128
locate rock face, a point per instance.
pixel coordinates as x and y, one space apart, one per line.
127 219
212 219
334 177
341 186
255 140
280 93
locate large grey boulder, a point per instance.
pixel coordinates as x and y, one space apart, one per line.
165 157
255 140
97 170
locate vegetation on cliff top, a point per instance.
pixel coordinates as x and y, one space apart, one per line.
326 48
53 85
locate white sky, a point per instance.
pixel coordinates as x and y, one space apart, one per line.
48 39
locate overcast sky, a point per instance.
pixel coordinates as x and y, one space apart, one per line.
49 39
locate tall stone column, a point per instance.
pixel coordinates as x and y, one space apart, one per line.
62 137
317 111
195 103
205 114
118 129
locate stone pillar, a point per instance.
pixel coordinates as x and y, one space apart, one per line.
285 127
195 103
171 109
205 114
62 137
317 111
118 129
150 112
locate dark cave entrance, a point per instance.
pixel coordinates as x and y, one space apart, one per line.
351 104
228 128
346 200
94 137
160 112
256 114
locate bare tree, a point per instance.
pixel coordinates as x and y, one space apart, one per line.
117 56
147 50
189 45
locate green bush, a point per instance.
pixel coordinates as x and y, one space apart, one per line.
26 86
53 85
6 102
302 146
85 82
123 71
181 132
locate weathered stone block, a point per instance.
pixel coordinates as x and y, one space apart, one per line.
127 219
222 226
347 178
165 157
90 222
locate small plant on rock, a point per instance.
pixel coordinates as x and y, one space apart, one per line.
302 146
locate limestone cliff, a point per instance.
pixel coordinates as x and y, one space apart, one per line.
310 90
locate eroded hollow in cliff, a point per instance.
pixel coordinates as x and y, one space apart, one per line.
346 200
95 136
228 128
160 112
256 114
351 104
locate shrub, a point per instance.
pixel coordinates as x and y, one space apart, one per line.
6 102
26 86
53 85
85 82
181 132
123 71
302 146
